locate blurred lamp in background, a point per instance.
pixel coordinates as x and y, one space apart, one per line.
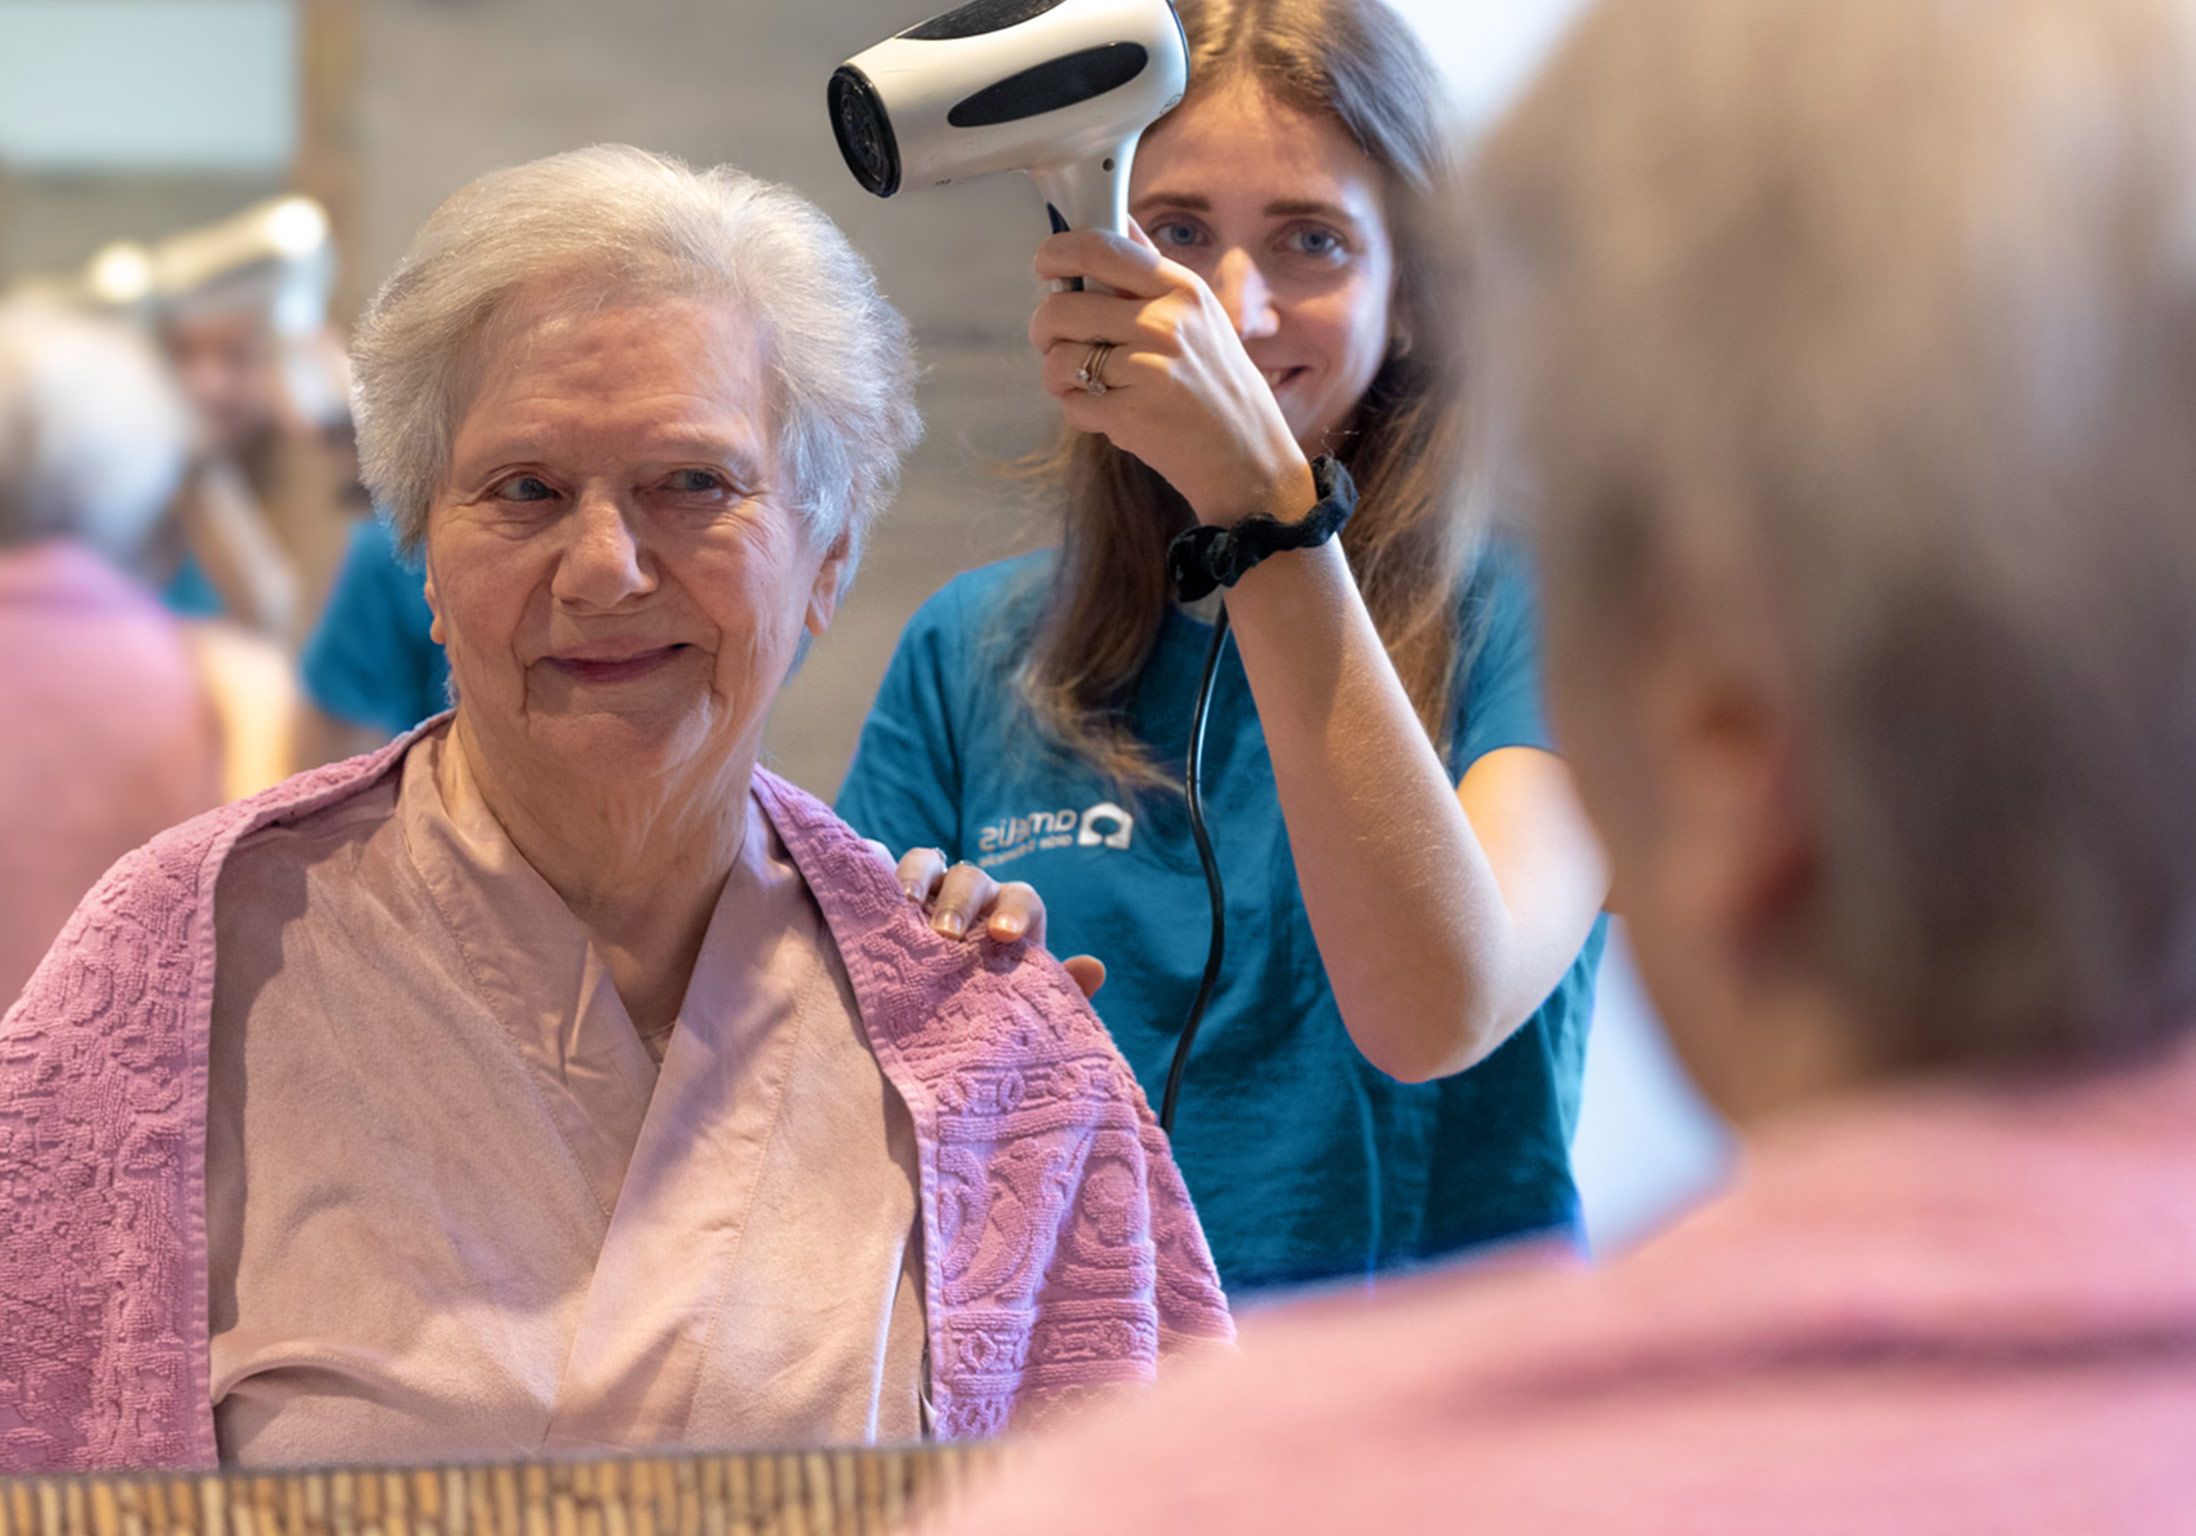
119 276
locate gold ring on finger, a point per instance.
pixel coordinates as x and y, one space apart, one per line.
1092 374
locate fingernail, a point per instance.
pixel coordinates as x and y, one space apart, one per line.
952 925
907 890
1008 927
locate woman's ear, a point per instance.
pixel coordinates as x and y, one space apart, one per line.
435 631
831 582
1735 807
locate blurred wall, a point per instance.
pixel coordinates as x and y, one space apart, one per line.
455 87
120 118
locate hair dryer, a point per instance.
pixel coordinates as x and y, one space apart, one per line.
1059 89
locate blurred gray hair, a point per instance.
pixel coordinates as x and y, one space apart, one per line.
94 438
611 220
1875 320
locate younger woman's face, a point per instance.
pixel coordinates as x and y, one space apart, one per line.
1285 218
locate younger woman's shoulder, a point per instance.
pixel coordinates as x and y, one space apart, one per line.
1499 700
1504 585
986 609
973 598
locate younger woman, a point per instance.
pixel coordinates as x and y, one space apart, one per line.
1389 1070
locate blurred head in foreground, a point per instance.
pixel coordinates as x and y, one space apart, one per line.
1855 351
1852 348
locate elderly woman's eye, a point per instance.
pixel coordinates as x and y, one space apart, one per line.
525 488
694 482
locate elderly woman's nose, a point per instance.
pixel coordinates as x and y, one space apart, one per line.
607 560
1243 292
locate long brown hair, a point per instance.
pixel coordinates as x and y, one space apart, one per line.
1415 534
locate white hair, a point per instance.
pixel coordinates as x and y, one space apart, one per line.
611 220
94 437
1869 327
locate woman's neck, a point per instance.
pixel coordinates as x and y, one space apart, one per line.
639 859
1788 1043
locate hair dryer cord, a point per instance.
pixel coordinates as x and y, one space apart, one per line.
1193 786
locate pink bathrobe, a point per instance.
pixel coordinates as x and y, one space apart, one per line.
1931 1309
1061 1252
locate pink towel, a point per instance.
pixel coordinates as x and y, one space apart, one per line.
1062 1255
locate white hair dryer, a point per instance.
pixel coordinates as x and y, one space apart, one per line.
1059 89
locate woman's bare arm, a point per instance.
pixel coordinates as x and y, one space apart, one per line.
1444 915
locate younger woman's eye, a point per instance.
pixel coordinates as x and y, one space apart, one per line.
1172 233
1320 244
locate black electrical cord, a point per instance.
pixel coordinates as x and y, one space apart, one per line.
1194 786
1203 559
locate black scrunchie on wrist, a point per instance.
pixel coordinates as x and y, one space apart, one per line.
1206 558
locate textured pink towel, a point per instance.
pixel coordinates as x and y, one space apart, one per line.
1062 1254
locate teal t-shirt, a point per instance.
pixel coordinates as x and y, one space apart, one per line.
371 660
1306 1162
190 594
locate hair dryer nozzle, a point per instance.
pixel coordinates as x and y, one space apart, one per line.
864 131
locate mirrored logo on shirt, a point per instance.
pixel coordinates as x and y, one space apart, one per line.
1104 825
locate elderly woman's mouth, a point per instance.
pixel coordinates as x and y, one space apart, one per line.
614 666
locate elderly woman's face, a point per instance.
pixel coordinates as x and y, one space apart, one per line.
611 558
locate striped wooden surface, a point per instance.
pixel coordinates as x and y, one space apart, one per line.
809 1493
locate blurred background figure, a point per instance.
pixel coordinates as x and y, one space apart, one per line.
1854 349
278 529
241 309
114 711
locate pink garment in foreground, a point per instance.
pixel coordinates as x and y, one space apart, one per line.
1061 1253
1929 1311
109 737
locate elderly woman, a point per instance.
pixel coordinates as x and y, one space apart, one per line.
556 1078
1856 346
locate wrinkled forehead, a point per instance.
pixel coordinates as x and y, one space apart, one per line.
615 366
